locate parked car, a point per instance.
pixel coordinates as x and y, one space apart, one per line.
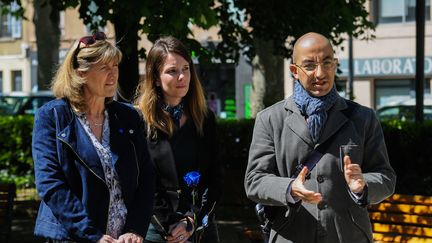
402 112
21 103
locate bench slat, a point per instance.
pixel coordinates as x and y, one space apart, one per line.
253 234
402 229
7 195
402 208
4 196
401 218
410 199
5 187
378 237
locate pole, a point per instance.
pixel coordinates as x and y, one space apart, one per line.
419 81
349 85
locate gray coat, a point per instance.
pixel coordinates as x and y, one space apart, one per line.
281 141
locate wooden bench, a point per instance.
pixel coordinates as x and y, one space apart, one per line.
399 218
7 195
254 235
402 218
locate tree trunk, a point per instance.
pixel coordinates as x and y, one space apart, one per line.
267 77
127 39
46 21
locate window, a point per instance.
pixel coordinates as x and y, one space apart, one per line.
62 23
10 27
398 92
399 11
218 79
17 80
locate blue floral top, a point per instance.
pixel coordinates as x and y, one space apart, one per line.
117 209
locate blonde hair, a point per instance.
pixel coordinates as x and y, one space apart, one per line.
150 95
68 84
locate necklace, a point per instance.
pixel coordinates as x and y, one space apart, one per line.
93 123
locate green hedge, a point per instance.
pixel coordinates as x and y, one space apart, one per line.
409 147
234 138
16 164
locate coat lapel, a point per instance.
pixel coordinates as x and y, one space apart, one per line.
162 156
296 122
77 139
336 119
119 141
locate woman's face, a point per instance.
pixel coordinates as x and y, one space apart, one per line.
174 79
101 80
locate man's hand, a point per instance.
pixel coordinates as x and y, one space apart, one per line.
130 238
298 190
353 175
178 232
106 239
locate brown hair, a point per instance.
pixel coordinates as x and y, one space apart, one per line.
68 84
150 96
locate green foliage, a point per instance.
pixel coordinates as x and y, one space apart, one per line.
279 20
155 18
234 138
9 6
408 144
15 150
409 148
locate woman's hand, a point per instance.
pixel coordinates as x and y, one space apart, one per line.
130 238
106 239
178 232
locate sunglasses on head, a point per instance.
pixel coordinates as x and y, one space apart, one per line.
87 40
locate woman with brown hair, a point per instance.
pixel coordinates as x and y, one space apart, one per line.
93 171
181 137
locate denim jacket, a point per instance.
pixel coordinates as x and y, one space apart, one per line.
70 178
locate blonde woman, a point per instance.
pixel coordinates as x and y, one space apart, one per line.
181 137
92 170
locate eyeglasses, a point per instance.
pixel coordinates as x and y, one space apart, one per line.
87 40
312 66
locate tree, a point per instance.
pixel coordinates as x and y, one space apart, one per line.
276 24
46 19
133 18
157 18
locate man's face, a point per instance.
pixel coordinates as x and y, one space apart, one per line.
317 80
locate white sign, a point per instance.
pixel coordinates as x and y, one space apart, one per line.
402 66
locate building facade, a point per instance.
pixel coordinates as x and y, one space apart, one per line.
384 68
18 50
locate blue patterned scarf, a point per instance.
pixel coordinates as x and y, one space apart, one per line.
176 112
315 108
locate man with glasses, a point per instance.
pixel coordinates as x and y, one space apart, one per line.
317 160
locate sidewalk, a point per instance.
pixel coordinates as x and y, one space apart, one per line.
231 220
233 214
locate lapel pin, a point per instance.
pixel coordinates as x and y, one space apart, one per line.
131 131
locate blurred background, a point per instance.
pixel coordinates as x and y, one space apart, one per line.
242 50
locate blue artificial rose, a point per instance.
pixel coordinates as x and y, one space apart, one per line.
204 221
192 178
